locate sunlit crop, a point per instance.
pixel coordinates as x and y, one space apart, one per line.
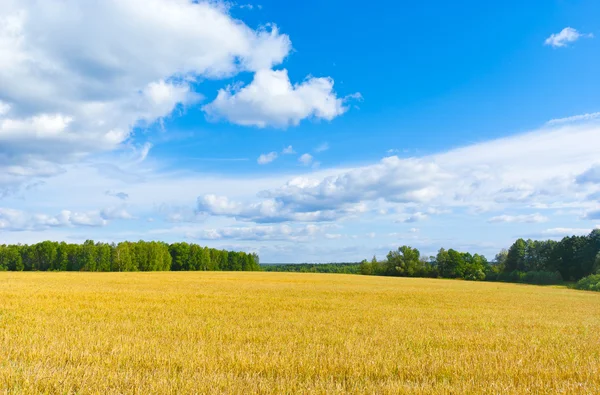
212 332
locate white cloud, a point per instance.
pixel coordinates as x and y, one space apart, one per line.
532 172
282 232
111 213
265 211
521 172
415 217
289 150
305 159
180 214
525 218
322 148
18 220
560 232
564 37
267 158
143 151
77 77
575 118
271 100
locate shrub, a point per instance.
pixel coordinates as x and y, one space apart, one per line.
475 275
533 277
589 283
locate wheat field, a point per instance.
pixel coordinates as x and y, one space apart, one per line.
218 332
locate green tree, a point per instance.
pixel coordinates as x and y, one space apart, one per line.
366 268
403 262
441 260
103 257
515 259
121 258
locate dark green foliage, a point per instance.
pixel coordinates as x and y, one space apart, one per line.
589 283
345 268
573 257
532 277
515 260
10 258
122 257
407 262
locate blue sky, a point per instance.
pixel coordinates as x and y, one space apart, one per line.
305 131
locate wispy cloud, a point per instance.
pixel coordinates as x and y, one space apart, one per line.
564 37
322 147
560 232
527 218
574 118
215 159
119 195
416 217
267 158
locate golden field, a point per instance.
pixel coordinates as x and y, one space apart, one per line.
219 332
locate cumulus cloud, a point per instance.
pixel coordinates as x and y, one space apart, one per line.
18 220
305 159
265 211
271 100
78 77
525 218
564 37
526 171
289 150
266 158
115 213
393 179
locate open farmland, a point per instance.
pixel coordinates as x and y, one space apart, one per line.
200 332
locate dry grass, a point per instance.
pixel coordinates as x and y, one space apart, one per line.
289 333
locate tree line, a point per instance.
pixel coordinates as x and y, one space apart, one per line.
340 267
532 261
122 257
407 261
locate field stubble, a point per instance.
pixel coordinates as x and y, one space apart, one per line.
207 332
